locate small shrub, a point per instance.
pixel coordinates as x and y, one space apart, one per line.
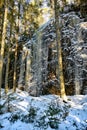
30 117
24 118
32 114
52 110
53 123
14 117
1 107
41 122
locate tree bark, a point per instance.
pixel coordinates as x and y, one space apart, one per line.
59 51
16 49
3 44
22 70
15 63
28 69
7 71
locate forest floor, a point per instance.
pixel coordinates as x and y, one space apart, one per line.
19 111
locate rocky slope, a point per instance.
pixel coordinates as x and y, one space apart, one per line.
74 48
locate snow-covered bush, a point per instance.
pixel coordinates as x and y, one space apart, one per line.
14 117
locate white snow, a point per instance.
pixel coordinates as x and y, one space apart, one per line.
47 112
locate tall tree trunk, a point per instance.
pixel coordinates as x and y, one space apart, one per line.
28 69
1 23
15 64
22 70
39 63
8 59
59 50
16 49
78 79
7 71
3 43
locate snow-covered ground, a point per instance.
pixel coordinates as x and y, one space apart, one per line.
19 111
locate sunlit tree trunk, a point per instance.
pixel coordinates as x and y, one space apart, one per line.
3 43
7 71
15 64
8 59
59 50
16 49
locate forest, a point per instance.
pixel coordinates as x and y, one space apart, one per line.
43 64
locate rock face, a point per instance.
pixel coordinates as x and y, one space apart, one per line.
44 56
74 47
83 54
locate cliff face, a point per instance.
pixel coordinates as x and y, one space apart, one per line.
74 50
74 33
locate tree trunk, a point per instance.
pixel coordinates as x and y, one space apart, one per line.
59 50
3 43
15 63
16 49
8 60
28 69
39 63
22 70
7 71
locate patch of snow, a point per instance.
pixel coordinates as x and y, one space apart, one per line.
49 109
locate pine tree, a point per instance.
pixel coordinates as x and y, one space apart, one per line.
59 50
16 48
3 43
